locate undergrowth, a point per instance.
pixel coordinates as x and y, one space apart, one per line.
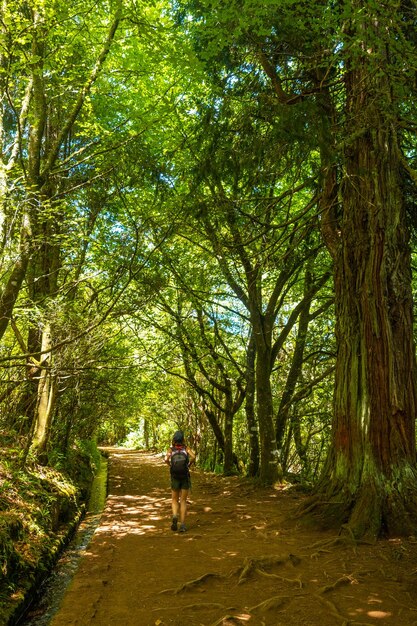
38 506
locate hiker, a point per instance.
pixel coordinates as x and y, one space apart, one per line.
179 457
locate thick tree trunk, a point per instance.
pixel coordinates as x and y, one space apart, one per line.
370 479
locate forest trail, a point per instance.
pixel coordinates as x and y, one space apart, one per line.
244 560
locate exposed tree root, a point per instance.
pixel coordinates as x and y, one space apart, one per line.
290 581
314 503
203 605
344 580
191 584
333 610
376 504
346 540
318 553
228 620
357 541
274 603
251 565
196 606
330 543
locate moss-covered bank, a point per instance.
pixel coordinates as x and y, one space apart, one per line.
40 507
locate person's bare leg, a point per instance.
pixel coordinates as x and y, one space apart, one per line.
175 502
175 508
183 506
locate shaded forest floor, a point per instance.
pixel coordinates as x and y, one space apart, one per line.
244 560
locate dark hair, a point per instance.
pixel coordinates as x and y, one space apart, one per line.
178 437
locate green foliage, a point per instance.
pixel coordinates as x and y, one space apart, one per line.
34 503
135 439
182 199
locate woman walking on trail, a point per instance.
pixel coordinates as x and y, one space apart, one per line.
179 457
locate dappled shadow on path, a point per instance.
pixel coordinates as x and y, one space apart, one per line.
244 560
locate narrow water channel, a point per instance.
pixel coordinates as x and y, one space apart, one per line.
40 613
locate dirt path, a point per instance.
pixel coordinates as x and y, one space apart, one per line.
242 561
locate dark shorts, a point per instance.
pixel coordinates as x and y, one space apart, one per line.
180 483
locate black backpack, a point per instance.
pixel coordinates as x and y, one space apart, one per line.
179 463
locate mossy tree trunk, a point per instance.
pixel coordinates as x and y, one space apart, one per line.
230 459
48 133
251 422
47 388
269 468
370 479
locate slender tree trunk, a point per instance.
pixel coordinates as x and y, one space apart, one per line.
70 419
220 438
146 433
250 409
229 458
267 349
8 158
269 468
295 369
214 460
300 446
11 290
46 397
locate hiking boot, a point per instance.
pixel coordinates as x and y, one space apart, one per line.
182 528
174 524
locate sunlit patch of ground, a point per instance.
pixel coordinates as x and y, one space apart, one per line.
244 560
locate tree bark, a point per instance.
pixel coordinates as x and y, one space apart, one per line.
12 288
295 370
269 470
369 480
220 439
46 397
229 458
252 427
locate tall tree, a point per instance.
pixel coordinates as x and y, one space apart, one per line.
74 93
349 68
253 219
371 465
195 312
